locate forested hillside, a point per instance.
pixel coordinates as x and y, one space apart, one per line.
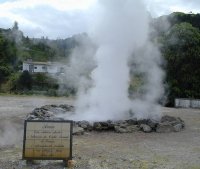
16 48
180 42
178 35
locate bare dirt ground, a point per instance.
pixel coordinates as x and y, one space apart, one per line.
105 150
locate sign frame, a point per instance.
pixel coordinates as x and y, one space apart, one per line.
48 158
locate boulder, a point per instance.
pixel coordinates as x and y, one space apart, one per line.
104 125
78 130
126 129
85 125
67 107
142 121
119 129
97 126
172 120
178 127
121 123
152 123
146 128
164 127
168 118
110 125
132 121
170 124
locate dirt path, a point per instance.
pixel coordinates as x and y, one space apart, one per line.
105 150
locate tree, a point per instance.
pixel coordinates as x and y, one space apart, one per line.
15 26
7 51
4 72
181 48
25 81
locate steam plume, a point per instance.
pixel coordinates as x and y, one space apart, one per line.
121 32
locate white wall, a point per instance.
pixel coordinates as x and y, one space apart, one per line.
187 103
52 69
25 67
40 68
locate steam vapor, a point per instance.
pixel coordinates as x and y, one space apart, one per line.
9 133
120 30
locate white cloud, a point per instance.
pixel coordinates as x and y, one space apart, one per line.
62 18
52 22
162 7
57 4
53 18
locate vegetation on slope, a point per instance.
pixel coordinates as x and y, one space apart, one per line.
177 33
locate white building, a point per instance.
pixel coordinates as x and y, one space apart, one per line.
42 67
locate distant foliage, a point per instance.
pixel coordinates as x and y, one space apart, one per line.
179 17
44 82
7 58
178 35
25 81
181 49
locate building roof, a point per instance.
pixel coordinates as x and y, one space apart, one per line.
38 63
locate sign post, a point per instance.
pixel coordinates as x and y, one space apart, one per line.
47 140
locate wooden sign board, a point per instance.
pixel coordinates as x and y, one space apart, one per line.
47 140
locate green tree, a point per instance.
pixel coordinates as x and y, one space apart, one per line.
42 81
7 51
181 48
15 26
4 72
25 81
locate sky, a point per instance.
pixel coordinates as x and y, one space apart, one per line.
64 18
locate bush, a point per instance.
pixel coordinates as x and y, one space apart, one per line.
52 92
25 81
11 84
42 81
4 73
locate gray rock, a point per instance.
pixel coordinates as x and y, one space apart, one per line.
30 117
146 128
152 123
67 107
142 121
181 122
178 127
132 121
110 125
119 129
164 127
121 123
127 129
171 119
166 124
169 124
49 112
97 126
53 108
105 125
85 125
132 128
78 130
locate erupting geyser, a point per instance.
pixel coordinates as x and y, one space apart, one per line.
121 30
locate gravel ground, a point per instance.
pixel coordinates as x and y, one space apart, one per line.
105 150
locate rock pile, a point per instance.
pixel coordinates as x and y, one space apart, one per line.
50 112
166 124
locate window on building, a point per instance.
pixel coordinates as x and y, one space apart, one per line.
35 67
62 70
44 67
